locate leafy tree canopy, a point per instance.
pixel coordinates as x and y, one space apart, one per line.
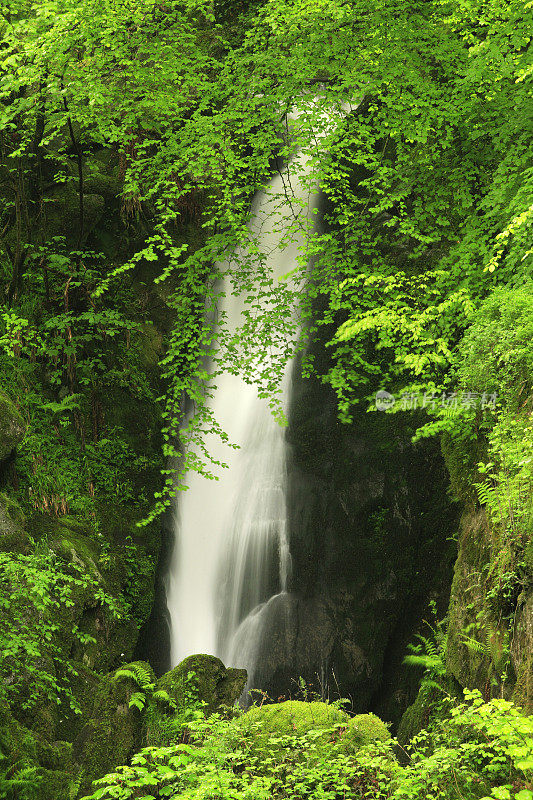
427 173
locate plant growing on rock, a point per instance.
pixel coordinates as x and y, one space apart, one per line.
481 750
37 591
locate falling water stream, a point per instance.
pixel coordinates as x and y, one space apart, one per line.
231 553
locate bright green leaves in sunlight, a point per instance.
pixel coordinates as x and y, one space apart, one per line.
415 118
37 592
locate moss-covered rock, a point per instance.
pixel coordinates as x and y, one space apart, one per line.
297 718
417 716
152 347
30 766
85 684
466 663
105 559
55 785
55 755
113 733
490 628
522 653
13 537
17 744
11 427
204 678
370 728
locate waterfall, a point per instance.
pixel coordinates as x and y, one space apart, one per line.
231 553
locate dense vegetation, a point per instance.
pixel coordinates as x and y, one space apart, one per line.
484 750
133 136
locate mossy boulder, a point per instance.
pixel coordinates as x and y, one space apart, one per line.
417 715
522 653
54 755
205 678
13 537
369 728
469 665
55 785
32 766
11 427
113 733
297 718
85 685
112 638
18 745
70 539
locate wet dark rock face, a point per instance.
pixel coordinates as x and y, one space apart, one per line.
369 523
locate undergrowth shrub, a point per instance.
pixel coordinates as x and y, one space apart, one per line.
37 592
481 750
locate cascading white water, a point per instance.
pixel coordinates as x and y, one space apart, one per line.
231 536
231 553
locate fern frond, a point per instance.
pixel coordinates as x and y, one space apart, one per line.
161 696
137 673
488 496
138 700
433 664
142 676
475 645
75 785
124 673
430 684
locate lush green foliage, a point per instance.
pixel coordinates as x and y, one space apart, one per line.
427 182
497 354
125 188
61 357
36 593
494 357
480 750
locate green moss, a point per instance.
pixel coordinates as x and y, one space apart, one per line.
113 732
18 745
46 766
461 456
297 718
523 688
86 685
370 727
106 559
54 755
55 785
470 667
12 508
13 537
72 542
416 717
152 347
11 426
44 721
204 678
